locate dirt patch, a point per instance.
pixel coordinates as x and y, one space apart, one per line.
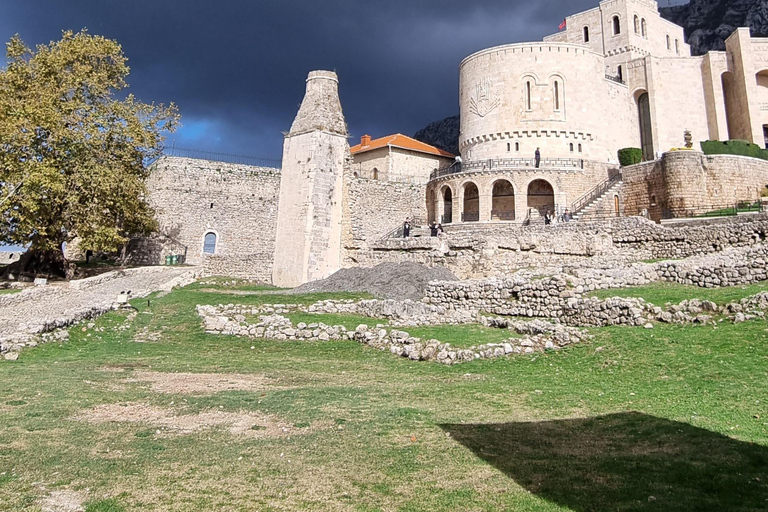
63 501
166 422
389 280
201 383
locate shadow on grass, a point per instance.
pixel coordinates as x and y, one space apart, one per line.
626 461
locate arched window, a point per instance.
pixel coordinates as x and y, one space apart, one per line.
637 24
616 26
557 95
571 147
669 45
620 74
579 148
375 173
586 34
644 28
517 146
509 147
677 46
528 95
209 243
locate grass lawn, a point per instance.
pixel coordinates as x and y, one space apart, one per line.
669 419
8 291
660 293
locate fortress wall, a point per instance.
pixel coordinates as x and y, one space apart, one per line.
494 250
494 109
373 208
690 182
192 197
678 100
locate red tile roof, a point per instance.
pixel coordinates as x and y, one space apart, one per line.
397 140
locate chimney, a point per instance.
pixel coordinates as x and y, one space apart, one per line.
365 140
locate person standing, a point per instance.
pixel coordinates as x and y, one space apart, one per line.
567 215
548 217
407 227
537 157
433 229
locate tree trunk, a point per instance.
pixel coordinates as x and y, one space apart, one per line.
41 263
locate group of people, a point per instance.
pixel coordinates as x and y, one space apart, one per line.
549 217
435 229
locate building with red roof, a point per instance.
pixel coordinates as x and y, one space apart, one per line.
397 158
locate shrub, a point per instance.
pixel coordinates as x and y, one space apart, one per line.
630 156
733 147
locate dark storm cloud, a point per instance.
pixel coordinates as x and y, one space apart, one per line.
236 68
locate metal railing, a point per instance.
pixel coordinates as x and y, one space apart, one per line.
399 232
470 216
617 79
500 164
502 215
595 193
446 219
222 157
714 210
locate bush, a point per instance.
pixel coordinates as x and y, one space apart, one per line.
630 156
733 147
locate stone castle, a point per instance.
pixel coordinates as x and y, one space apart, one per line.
617 76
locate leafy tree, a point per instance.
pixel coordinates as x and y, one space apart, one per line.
72 153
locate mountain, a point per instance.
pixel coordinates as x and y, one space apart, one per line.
708 23
443 134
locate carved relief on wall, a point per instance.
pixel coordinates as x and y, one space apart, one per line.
484 101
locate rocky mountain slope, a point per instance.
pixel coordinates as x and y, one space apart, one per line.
443 134
707 24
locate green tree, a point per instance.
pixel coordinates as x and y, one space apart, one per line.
72 154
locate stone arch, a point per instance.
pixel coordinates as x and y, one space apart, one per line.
540 196
445 200
375 173
210 242
643 28
502 200
637 24
586 34
557 82
529 82
644 117
616 206
616 23
470 193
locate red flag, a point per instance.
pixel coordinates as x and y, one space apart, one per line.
562 25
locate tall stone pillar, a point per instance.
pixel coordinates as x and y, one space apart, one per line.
309 216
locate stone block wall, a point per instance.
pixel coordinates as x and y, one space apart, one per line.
238 203
684 183
374 208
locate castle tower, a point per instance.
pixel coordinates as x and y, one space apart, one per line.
308 243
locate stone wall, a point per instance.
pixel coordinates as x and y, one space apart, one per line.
191 198
685 183
374 208
493 249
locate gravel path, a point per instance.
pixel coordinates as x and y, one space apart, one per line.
44 308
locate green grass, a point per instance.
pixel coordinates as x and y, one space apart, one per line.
9 291
660 293
461 336
673 419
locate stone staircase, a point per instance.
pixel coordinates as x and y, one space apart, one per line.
601 205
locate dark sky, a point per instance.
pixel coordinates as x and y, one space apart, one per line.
236 68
